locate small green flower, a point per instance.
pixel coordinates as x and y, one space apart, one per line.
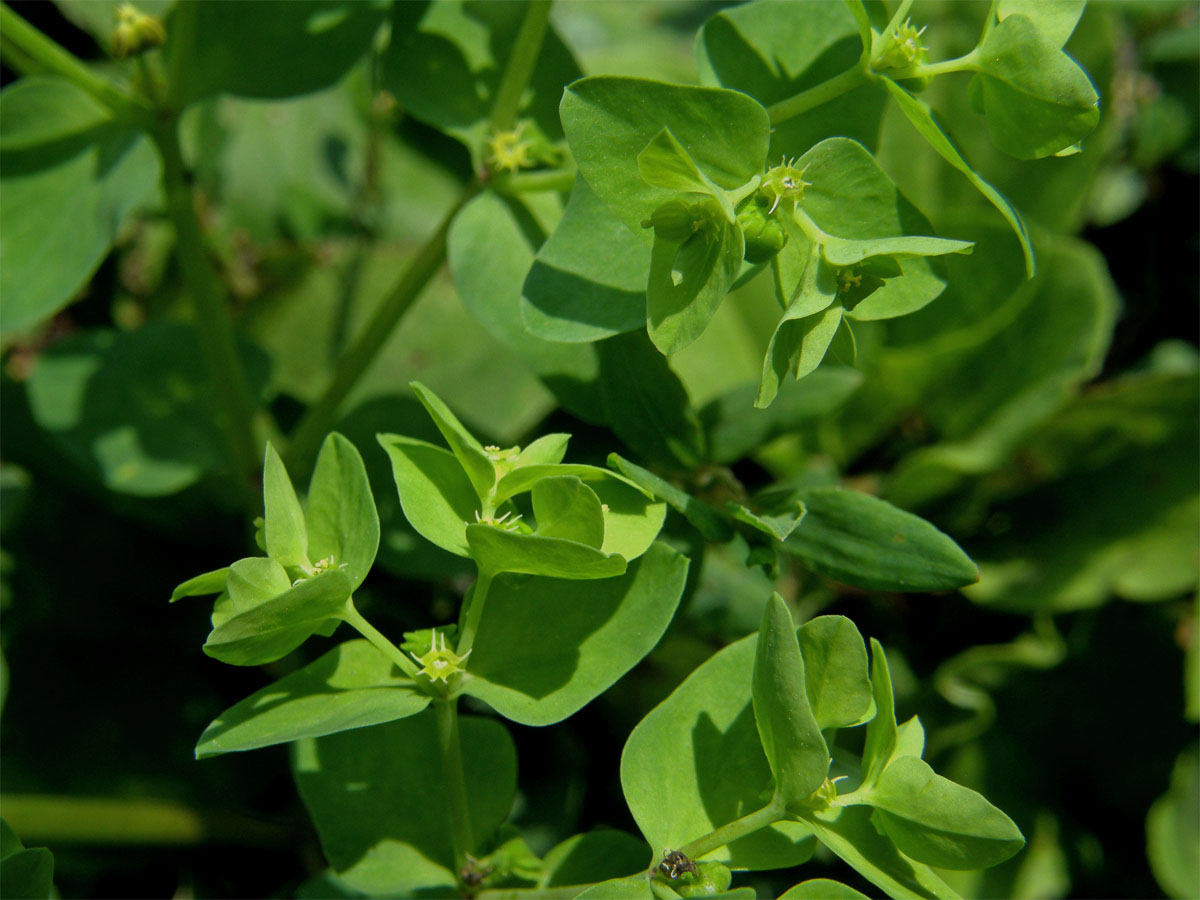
135 32
904 49
508 152
784 181
440 663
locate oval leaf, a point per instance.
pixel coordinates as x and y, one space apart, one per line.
351 686
695 762
339 512
589 634
386 832
835 669
938 822
791 737
496 550
435 494
277 627
864 541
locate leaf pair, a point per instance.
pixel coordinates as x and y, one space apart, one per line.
855 251
757 721
642 145
317 556
589 521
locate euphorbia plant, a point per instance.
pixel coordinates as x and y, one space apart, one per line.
570 594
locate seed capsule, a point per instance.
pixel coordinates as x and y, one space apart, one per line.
763 232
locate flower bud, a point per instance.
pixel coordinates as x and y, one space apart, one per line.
135 32
676 220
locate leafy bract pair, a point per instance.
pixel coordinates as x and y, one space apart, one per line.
691 164
588 522
750 736
317 556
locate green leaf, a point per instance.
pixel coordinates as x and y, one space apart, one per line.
864 541
445 61
275 628
339 512
435 494
821 889
631 519
710 523
564 507
588 634
497 550
940 823
251 48
840 252
134 408
777 526
588 280
609 121
351 686
773 51
634 887
921 117
646 404
666 164
386 832
285 529
466 449
70 179
835 668
791 737
1054 19
735 428
209 583
1172 833
849 833
688 281
26 873
1008 372
592 857
1036 98
490 250
799 343
695 762
548 450
254 581
881 739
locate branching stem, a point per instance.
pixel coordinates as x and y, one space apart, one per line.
34 47
818 94
214 325
520 66
356 621
474 614
303 442
770 814
450 747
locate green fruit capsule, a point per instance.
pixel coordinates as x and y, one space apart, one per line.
674 221
763 232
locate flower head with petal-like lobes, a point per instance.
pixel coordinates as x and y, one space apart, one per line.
440 663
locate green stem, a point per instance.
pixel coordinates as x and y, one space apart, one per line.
356 621
474 614
303 442
532 182
33 46
214 325
450 747
818 95
521 62
770 814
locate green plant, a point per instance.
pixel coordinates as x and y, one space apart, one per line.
595 226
